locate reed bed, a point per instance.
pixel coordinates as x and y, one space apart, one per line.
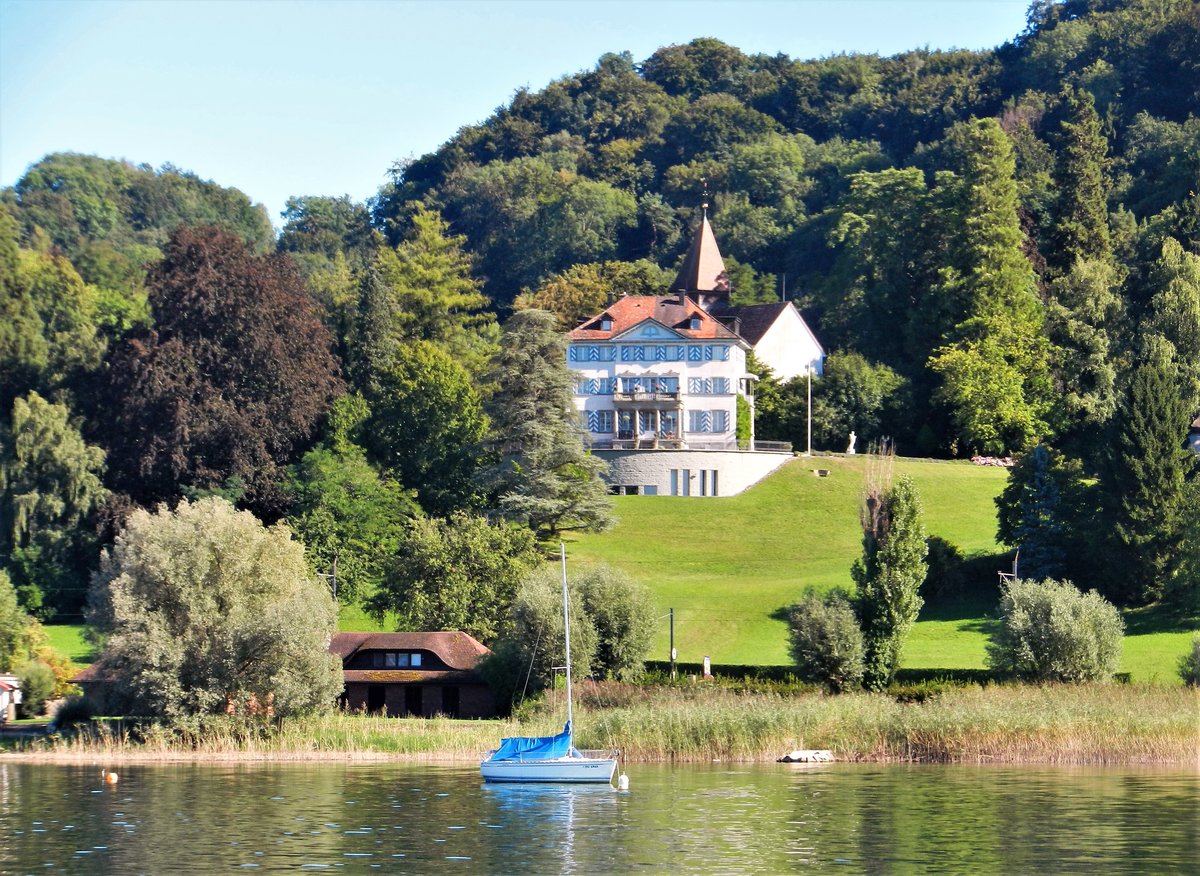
1086 724
1093 724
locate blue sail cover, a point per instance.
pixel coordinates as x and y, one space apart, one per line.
535 747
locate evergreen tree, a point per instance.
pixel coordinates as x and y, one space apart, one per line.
1144 484
545 477
1081 226
1040 530
889 575
994 362
1175 314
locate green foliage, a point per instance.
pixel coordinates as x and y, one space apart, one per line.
13 625
584 290
1144 485
744 425
37 686
349 518
537 627
622 612
233 379
202 606
1050 631
889 575
50 493
1175 313
1039 530
1189 664
459 573
425 426
825 641
431 295
853 395
545 477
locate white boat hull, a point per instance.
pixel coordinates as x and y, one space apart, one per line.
562 769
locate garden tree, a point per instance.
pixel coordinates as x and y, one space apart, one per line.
890 573
48 321
1143 483
622 612
374 344
230 383
1184 590
203 606
527 657
1046 511
457 573
432 295
582 291
50 493
853 395
994 368
544 476
824 640
349 517
1175 313
426 425
1050 631
1189 664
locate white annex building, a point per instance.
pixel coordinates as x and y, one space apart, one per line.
659 380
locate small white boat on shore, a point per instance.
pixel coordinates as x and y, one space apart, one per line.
549 758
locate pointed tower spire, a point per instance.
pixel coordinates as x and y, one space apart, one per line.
702 275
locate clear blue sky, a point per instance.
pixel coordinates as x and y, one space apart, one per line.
319 98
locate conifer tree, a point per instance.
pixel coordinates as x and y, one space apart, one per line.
995 377
1145 483
1081 229
1040 531
1175 314
545 477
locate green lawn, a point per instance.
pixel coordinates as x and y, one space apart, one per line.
729 566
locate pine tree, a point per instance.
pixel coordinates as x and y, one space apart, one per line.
1175 314
1081 229
545 476
889 575
1145 483
1040 531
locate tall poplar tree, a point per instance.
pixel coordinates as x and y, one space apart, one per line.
545 476
889 575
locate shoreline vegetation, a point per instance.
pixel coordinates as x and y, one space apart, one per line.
1012 724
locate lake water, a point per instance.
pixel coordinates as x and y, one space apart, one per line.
767 818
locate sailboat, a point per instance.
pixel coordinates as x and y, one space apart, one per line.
550 758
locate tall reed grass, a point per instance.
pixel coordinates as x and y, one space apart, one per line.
1077 724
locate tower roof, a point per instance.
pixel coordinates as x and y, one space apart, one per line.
703 269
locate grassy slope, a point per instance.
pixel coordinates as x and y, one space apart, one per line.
729 566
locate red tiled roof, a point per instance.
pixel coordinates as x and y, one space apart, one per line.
673 311
456 649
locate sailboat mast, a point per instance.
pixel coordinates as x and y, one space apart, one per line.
566 629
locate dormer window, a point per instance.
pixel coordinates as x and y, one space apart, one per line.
694 324
606 323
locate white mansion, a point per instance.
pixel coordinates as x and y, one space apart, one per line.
660 378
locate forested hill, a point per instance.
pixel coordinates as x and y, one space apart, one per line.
998 248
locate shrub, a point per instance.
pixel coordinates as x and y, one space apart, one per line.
37 686
622 611
1189 664
1050 631
74 710
825 640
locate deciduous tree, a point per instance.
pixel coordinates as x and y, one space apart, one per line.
203 606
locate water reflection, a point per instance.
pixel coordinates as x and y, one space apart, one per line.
716 818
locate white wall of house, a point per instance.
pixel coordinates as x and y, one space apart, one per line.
689 472
707 374
789 347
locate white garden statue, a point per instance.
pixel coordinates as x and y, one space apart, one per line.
850 446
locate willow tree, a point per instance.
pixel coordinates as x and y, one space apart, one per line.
203 608
50 489
544 477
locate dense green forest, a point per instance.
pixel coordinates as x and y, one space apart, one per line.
999 249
